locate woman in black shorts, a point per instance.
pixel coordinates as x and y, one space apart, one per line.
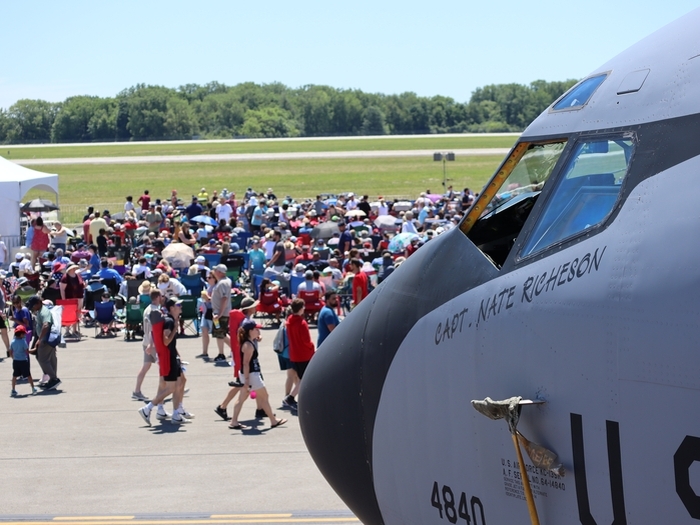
251 375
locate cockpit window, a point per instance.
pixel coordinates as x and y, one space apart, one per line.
585 194
580 94
495 220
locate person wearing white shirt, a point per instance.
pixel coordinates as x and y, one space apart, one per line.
142 268
408 226
224 210
382 209
351 204
170 287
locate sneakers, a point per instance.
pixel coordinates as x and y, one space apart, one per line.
290 403
53 383
220 357
237 383
185 414
146 415
138 396
221 412
162 415
260 413
34 391
177 418
13 393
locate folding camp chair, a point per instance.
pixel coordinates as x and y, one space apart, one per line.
134 321
193 284
270 307
189 314
234 265
312 303
104 318
70 316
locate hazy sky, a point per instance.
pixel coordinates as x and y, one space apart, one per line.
52 50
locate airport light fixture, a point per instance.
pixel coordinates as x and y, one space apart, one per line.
444 157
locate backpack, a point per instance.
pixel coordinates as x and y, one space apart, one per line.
280 340
54 337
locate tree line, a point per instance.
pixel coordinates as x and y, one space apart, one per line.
216 110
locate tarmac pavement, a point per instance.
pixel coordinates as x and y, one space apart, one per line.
83 450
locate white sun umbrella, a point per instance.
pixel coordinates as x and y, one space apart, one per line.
385 221
178 254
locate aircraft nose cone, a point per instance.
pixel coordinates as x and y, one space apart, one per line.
342 386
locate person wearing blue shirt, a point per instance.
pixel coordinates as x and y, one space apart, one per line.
327 318
106 272
193 209
94 259
256 258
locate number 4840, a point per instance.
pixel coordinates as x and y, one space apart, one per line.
444 500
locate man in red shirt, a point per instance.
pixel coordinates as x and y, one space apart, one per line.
305 257
301 348
359 283
144 201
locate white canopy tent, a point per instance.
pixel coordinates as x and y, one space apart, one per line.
15 182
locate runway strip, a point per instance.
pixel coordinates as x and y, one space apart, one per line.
240 157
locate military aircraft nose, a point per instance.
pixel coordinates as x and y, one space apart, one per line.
342 386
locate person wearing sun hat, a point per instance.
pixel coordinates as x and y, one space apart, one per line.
72 286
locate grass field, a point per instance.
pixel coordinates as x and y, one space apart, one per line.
85 184
437 142
108 184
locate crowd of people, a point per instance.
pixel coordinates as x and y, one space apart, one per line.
307 261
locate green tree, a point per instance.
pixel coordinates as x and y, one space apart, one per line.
315 110
72 121
179 119
103 122
4 125
373 122
148 108
31 121
269 122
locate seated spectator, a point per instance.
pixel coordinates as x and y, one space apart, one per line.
170 287
80 253
200 263
309 285
305 256
108 273
299 270
84 271
145 288
141 270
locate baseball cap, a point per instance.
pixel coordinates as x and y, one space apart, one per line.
32 301
249 324
220 268
20 329
173 301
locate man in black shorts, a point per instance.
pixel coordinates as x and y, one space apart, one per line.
164 327
221 309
